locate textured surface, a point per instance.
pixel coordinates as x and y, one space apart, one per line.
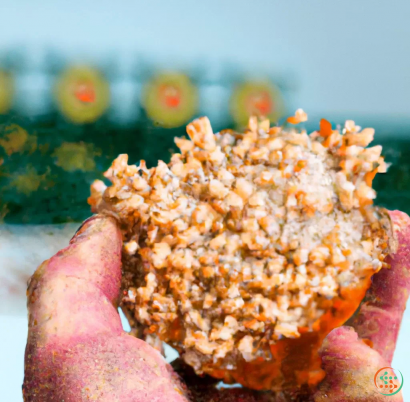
249 246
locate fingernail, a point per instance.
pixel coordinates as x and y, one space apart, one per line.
86 222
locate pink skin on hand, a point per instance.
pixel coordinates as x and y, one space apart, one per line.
381 315
76 349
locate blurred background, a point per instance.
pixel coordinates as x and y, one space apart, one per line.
82 81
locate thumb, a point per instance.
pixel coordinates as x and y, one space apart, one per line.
350 367
74 292
76 349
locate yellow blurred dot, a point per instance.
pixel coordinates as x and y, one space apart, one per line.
170 99
27 182
82 94
75 156
15 139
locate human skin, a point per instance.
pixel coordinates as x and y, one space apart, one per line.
76 348
77 351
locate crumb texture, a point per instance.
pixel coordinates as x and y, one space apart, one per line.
249 242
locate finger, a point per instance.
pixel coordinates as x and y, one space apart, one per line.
76 349
75 292
350 367
380 316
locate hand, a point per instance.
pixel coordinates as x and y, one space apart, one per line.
77 351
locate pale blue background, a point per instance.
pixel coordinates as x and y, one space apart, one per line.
340 59
345 58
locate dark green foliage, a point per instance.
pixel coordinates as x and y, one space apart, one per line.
393 188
